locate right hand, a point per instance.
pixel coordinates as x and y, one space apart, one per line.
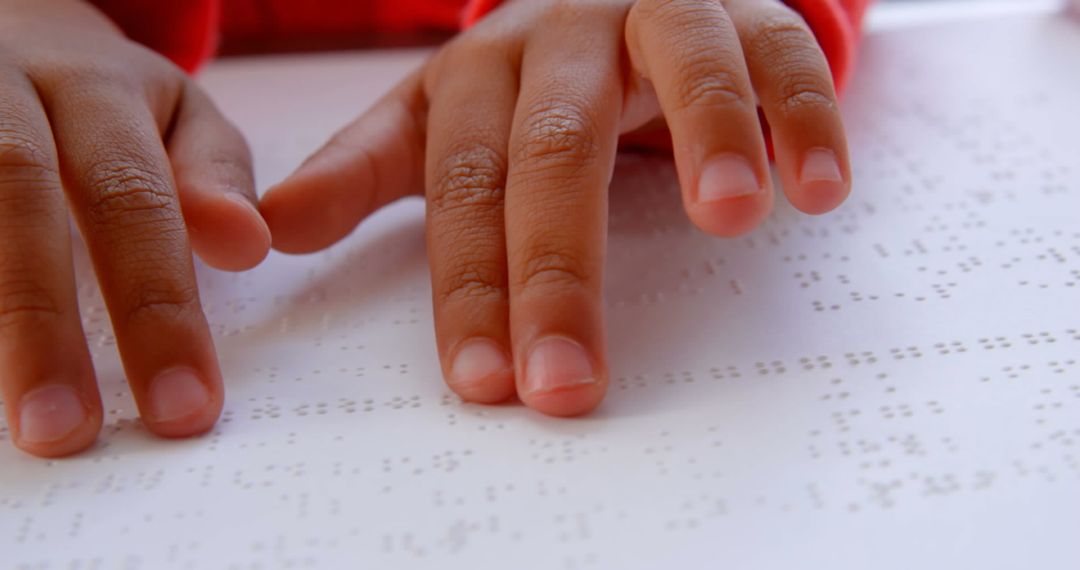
510 131
94 123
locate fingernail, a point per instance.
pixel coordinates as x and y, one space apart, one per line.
557 363
477 360
727 176
176 394
820 165
49 414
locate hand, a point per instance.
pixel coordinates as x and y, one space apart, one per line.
129 140
514 125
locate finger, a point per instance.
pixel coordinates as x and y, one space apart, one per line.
370 163
562 152
216 186
120 186
691 53
468 130
46 376
792 79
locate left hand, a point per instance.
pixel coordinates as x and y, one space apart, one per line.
515 124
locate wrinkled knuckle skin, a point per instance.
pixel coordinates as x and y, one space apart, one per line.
22 158
472 177
773 38
122 194
692 31
786 47
558 134
798 93
472 279
705 86
549 267
155 301
24 302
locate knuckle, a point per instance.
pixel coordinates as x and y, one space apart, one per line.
559 133
120 189
772 38
472 279
546 266
25 302
157 300
706 85
785 45
701 46
22 157
468 178
796 93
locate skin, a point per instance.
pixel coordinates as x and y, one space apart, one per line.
95 126
514 126
510 132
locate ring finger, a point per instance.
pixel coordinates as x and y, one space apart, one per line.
46 375
690 51
793 81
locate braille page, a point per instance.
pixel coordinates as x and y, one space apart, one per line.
893 385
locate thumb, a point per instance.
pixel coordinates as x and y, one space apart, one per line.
375 160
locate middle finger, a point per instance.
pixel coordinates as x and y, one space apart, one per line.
468 128
562 152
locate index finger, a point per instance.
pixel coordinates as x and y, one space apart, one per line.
121 188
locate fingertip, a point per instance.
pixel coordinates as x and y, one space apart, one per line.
818 198
228 232
481 372
731 197
561 378
77 441
732 217
308 212
569 402
370 163
56 421
821 185
180 403
494 389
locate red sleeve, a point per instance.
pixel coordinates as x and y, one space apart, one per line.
837 25
185 31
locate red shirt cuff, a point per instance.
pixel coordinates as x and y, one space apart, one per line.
186 32
837 25
475 10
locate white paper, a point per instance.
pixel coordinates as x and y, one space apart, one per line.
893 385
